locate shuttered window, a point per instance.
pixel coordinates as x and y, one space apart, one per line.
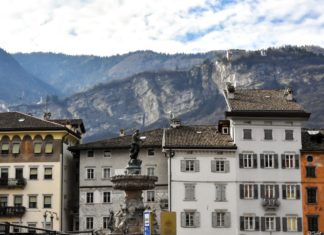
190 192
290 191
249 223
221 219
220 166
290 161
190 219
290 224
220 192
248 191
189 165
269 160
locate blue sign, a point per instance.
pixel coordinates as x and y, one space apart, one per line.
147 222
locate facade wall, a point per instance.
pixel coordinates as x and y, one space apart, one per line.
117 163
317 182
205 182
257 175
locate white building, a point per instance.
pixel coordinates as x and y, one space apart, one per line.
266 128
202 188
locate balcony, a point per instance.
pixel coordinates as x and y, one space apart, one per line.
12 211
12 183
270 203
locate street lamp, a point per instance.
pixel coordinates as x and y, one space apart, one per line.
51 214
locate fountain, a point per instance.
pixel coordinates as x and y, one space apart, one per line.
129 220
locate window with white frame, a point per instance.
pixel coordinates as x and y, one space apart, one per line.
89 222
221 219
48 174
269 191
248 160
291 191
289 161
249 223
106 172
90 173
220 165
270 223
89 197
106 197
292 223
33 173
190 219
190 192
18 200
107 153
150 196
189 165
268 160
47 199
150 171
105 222
248 191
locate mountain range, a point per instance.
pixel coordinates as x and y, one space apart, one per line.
141 89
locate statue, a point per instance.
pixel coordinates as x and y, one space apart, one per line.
135 148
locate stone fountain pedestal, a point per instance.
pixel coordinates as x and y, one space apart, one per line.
131 215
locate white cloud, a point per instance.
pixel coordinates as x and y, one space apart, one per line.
107 27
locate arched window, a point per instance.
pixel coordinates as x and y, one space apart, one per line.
5 143
38 143
49 144
16 145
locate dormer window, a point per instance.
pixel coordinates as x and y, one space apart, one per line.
225 130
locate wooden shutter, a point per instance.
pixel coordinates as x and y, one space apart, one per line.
213 165
262 191
297 191
255 161
227 220
183 165
241 191
197 169
257 223
197 219
284 224
255 189
183 219
299 224
218 192
241 160
223 192
277 191
262 160
284 191
227 166
283 165
242 223
278 224
263 225
296 161
214 218
276 162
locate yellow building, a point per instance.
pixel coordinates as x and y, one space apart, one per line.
38 180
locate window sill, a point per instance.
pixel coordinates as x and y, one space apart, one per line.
220 201
189 200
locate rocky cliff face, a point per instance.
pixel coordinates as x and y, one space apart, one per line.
145 100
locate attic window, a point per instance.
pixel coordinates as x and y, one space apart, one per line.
21 119
225 130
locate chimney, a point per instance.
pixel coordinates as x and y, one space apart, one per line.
122 132
289 94
174 123
230 90
47 115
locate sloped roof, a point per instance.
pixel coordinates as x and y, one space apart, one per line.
73 122
153 139
15 121
199 137
272 102
312 140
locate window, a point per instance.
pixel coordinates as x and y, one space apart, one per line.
49 147
150 171
310 171
190 192
106 173
48 173
89 223
220 192
267 134
290 160
32 229
105 222
291 223
19 173
269 191
18 200
47 201
248 160
150 152
15 148
312 222
33 173
3 201
225 130
32 201
221 166
89 197
310 158
189 166
150 196
4 173
289 135
90 153
221 219
38 146
291 191
107 153
247 134
5 145
90 173
248 191
249 223
270 223
269 160
311 195
190 219
106 197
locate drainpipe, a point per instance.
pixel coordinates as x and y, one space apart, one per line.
62 181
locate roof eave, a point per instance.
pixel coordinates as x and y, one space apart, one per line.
280 114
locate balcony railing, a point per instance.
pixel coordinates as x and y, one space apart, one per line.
270 203
12 211
12 182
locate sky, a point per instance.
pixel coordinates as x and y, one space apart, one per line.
110 27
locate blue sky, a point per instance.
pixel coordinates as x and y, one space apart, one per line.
109 27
